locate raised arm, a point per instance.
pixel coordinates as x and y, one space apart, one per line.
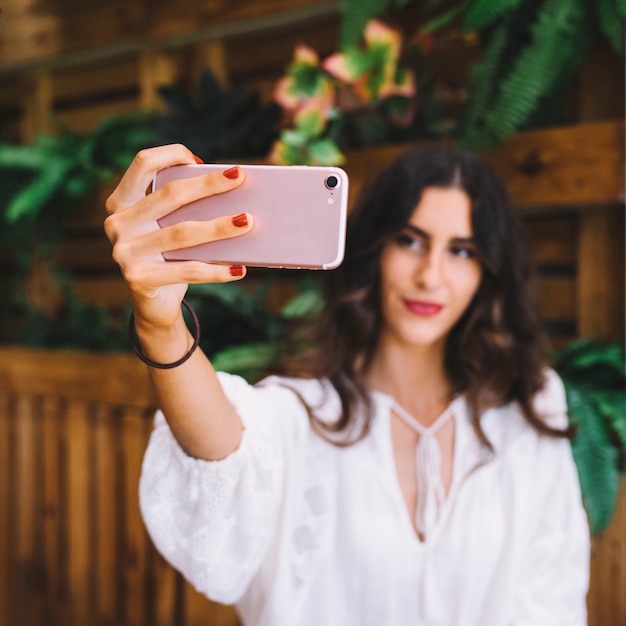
200 415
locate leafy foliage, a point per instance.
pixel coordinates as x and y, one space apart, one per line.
352 98
217 124
43 183
532 49
594 375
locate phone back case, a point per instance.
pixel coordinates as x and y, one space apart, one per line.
298 221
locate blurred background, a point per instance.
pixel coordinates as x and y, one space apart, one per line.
536 86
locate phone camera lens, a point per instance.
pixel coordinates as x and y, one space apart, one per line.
331 182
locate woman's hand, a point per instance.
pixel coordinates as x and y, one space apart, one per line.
157 287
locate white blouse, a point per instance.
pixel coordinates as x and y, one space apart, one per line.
298 532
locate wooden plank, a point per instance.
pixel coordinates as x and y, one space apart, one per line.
51 414
561 167
6 526
79 522
607 591
553 240
115 379
575 165
557 298
36 104
92 30
198 610
601 274
89 81
163 595
86 118
156 69
135 431
25 505
107 503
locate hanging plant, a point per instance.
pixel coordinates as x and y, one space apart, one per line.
360 92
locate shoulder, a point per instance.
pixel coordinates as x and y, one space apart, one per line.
507 425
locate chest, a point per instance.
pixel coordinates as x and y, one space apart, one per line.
404 442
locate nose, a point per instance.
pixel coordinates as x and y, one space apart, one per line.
429 272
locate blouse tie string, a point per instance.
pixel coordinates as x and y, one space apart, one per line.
430 491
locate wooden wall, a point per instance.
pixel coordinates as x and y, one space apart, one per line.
72 430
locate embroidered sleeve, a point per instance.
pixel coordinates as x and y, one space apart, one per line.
213 520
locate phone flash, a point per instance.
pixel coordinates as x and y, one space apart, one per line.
331 201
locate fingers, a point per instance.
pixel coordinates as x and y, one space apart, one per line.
141 218
182 235
146 278
139 175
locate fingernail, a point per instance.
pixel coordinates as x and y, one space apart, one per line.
240 220
236 270
231 173
199 161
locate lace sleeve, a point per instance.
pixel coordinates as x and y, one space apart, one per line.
213 520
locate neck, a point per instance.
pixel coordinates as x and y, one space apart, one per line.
414 376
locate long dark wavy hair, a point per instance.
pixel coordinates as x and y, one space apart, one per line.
494 353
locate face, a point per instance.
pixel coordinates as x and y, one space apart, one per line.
430 271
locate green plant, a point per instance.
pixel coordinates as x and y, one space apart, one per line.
42 185
216 123
594 375
352 98
532 49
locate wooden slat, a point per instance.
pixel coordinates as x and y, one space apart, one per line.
601 274
114 28
607 592
26 514
197 607
106 483
91 252
51 414
86 118
557 298
78 525
115 379
163 596
135 430
6 478
553 240
570 166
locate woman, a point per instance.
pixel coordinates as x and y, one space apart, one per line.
412 467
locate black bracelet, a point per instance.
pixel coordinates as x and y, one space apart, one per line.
164 366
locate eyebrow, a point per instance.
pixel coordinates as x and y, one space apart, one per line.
424 235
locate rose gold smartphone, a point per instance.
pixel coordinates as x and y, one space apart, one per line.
299 216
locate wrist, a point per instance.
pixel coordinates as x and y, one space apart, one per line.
164 346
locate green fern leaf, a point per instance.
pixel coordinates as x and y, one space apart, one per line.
553 54
611 18
596 460
482 79
482 13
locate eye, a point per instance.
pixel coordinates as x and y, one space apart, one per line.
405 240
463 252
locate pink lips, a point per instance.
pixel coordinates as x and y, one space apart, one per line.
423 308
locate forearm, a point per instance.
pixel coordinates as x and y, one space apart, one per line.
198 412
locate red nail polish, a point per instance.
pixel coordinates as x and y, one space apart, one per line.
236 270
240 220
199 161
231 173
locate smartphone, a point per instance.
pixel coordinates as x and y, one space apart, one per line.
299 214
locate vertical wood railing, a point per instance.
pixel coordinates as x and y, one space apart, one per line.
73 548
